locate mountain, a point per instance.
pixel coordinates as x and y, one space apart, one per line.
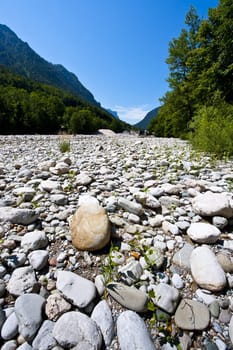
145 122
114 113
19 57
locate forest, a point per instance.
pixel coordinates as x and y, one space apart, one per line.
199 103
28 107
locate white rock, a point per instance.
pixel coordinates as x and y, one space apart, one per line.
102 315
212 204
34 240
206 270
132 332
166 297
202 232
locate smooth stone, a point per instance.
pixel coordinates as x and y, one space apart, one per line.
2 288
192 315
10 327
132 332
44 338
2 317
18 216
205 296
59 199
170 228
75 327
25 346
27 193
206 270
225 316
78 290
15 260
49 186
225 261
129 297
28 310
202 232
214 308
10 345
182 257
131 207
83 179
102 315
231 329
212 204
34 240
177 281
131 272
100 284
166 297
90 227
55 306
38 259
22 281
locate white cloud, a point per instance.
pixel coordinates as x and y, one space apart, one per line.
133 114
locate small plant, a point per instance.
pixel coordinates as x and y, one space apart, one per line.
108 268
64 146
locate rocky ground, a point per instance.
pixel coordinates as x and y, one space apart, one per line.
164 281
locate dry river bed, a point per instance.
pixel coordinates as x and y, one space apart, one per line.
165 279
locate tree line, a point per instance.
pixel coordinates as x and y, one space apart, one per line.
199 103
28 107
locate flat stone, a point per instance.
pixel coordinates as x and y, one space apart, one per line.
131 207
49 186
55 306
212 204
202 232
34 240
18 216
44 338
59 199
25 346
192 315
28 310
102 315
206 270
166 297
147 200
132 332
129 297
75 327
90 227
225 261
10 345
78 290
83 179
22 281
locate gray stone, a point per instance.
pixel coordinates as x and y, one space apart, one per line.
28 310
10 327
131 207
44 339
74 327
154 257
83 179
10 345
192 315
59 199
214 308
202 232
220 222
147 200
102 315
22 281
34 240
182 257
38 259
231 329
26 193
56 306
18 216
212 204
15 260
206 270
225 261
25 346
78 290
132 332
130 297
49 186
166 297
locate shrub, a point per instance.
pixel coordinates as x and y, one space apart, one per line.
212 129
64 146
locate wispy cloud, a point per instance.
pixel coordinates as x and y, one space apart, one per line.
132 114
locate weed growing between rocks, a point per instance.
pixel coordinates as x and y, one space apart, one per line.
64 146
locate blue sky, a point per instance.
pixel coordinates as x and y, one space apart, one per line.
117 48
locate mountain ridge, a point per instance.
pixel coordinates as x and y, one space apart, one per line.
145 122
22 59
